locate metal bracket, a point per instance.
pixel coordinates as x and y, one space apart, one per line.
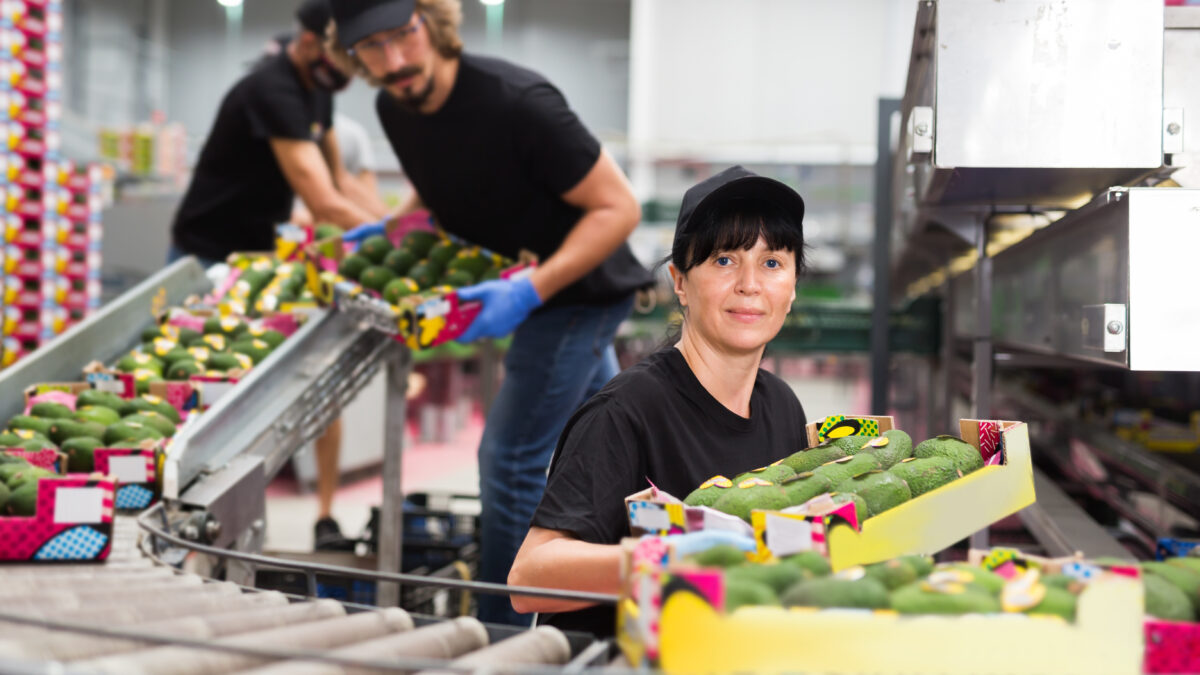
1103 327
1172 131
920 131
233 498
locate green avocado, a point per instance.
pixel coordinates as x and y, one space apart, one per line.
257 350
1192 563
706 496
80 451
65 429
1163 600
473 263
922 598
443 252
129 432
143 377
29 474
721 555
863 462
223 325
921 564
149 402
155 420
892 573
879 489
7 471
965 456
1181 577
425 273
851 445
742 592
138 361
353 266
1057 601
865 593
50 410
98 414
777 576
835 472
96 397
739 501
326 231
376 277
9 440
41 426
399 288
810 459
925 475
419 242
375 248
399 261
804 486
184 369
892 447
269 336
23 500
774 473
457 278
815 563
985 579
5 493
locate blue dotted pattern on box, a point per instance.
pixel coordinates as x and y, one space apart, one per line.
133 497
78 543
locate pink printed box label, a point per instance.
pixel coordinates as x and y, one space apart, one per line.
73 521
134 471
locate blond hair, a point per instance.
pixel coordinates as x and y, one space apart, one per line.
441 17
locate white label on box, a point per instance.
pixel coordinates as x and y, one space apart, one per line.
128 468
648 516
787 535
78 505
213 391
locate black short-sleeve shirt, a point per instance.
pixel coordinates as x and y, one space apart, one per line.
493 163
656 423
238 191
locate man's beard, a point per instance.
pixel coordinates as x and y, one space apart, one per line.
413 100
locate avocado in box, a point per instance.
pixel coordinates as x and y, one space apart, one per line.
58 518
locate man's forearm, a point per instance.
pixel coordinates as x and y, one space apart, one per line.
363 196
590 242
341 212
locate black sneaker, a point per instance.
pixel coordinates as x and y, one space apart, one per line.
327 536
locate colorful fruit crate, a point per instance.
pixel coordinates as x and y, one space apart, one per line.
923 525
72 520
670 616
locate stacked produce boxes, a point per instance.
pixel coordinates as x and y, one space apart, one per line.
51 207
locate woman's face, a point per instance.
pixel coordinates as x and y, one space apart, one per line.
736 301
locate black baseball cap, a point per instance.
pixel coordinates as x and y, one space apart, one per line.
736 183
356 19
314 15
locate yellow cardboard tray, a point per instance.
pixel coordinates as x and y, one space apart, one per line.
936 519
1105 638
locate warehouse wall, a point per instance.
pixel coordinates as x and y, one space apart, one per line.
791 81
581 45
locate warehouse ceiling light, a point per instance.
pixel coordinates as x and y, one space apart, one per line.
231 3
491 2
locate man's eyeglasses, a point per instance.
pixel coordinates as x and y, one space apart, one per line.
375 48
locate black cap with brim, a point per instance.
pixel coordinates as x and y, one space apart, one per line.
314 15
736 183
356 19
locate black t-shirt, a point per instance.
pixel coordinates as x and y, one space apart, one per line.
493 162
655 422
238 192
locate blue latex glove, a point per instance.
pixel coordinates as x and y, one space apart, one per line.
365 230
505 305
691 543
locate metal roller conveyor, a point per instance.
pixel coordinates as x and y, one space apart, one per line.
447 640
544 645
198 627
325 634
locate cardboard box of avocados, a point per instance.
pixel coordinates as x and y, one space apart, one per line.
670 616
837 528
68 518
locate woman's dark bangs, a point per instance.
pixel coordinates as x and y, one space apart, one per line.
738 224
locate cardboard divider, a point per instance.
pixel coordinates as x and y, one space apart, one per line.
73 521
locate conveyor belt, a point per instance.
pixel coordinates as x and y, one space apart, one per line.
129 615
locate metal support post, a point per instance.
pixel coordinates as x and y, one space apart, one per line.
981 367
880 352
946 404
391 519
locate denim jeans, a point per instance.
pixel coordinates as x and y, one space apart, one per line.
174 253
559 358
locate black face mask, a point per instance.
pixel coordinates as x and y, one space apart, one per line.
327 76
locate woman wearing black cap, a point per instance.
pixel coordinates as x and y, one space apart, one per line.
694 409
